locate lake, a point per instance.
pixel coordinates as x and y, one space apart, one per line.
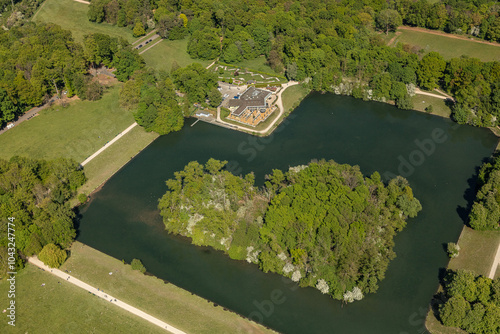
437 156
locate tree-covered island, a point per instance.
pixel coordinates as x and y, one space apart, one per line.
323 225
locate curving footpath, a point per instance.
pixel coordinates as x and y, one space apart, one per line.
108 144
34 260
279 102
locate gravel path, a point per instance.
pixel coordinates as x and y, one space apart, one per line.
101 294
108 144
496 263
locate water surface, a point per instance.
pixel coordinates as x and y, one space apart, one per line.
439 158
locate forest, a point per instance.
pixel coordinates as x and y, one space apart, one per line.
36 194
323 225
334 45
38 61
470 302
485 213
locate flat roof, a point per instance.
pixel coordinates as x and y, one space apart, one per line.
252 97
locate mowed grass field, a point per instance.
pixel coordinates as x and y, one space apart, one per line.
165 301
64 308
420 102
162 56
74 132
293 95
448 47
72 15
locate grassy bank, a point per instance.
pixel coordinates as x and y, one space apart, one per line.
477 251
166 52
293 95
420 102
447 46
72 15
102 167
165 301
74 132
64 308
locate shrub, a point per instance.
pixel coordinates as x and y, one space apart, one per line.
137 265
52 256
453 249
82 198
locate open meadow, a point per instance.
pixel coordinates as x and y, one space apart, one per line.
72 15
61 307
161 56
447 45
75 131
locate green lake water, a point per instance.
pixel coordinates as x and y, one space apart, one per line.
438 157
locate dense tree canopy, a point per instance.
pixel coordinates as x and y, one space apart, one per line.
471 303
485 213
322 225
36 194
154 101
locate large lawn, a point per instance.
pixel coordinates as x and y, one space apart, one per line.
74 132
257 64
162 56
64 308
448 47
165 301
72 15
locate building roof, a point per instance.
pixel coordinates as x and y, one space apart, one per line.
252 97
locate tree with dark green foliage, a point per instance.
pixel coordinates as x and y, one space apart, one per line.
313 222
389 20
197 82
471 302
485 213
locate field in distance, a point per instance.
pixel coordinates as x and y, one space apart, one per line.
448 45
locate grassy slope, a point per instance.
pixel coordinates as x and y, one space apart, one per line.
448 47
64 308
71 132
165 53
257 64
163 300
72 15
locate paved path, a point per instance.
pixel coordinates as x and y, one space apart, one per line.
108 144
151 45
496 263
34 260
144 38
81 1
279 102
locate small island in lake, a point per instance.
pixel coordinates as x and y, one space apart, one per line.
323 225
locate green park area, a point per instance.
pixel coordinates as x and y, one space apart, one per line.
477 251
162 300
439 107
448 46
60 307
75 131
293 95
72 15
163 55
